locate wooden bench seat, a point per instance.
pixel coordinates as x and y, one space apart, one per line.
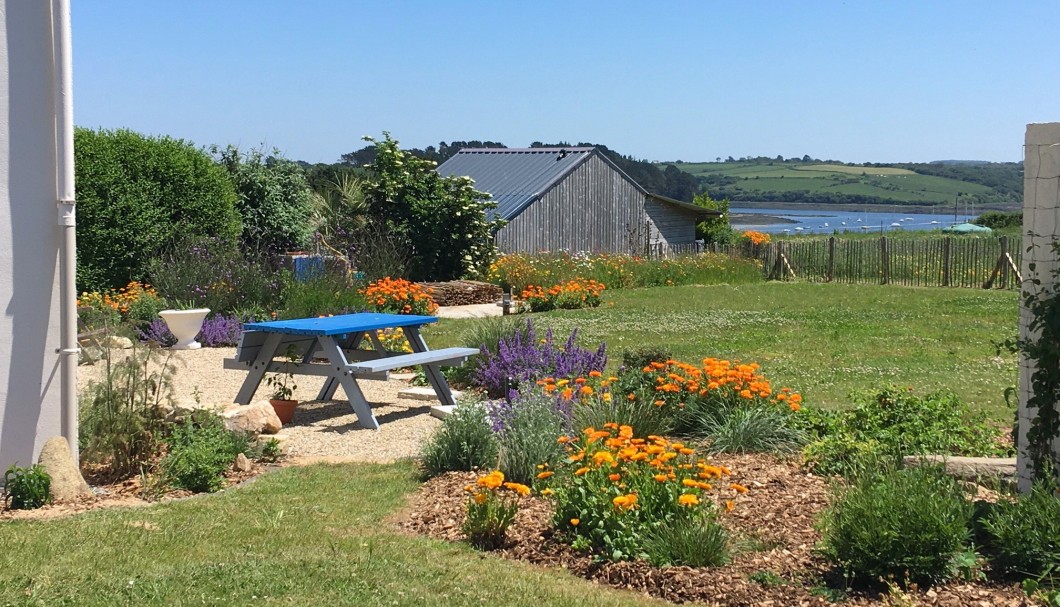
445 357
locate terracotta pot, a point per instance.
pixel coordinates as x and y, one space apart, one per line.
284 409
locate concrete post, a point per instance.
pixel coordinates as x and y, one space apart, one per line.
1041 217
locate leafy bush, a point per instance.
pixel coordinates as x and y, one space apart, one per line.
527 427
26 488
691 541
747 429
443 218
207 272
639 413
122 414
201 449
489 514
893 422
136 303
398 297
1023 536
638 358
522 359
136 195
902 525
613 490
274 199
464 442
327 293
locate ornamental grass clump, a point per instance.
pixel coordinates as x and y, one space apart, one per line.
523 359
398 296
901 526
527 426
491 507
614 491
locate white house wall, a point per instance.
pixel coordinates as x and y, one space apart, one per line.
29 238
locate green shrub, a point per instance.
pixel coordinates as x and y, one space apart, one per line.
122 414
274 199
201 450
903 526
136 195
327 293
1023 536
144 310
464 442
26 488
527 438
894 422
209 272
443 218
639 413
639 358
751 429
695 542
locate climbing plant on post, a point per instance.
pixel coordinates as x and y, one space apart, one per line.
1043 348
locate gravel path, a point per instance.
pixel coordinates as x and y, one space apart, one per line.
325 429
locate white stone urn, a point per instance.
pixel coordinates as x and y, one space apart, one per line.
185 325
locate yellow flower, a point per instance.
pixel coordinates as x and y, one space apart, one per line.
547 492
575 521
481 497
518 488
660 477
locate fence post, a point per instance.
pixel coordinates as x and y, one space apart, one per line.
1004 266
831 258
946 262
885 261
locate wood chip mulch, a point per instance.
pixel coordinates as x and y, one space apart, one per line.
775 520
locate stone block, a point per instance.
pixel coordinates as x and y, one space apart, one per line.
257 418
67 482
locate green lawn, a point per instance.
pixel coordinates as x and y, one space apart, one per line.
303 536
822 339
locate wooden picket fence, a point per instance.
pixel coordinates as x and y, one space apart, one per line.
944 261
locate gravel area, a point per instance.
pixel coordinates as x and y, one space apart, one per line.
325 429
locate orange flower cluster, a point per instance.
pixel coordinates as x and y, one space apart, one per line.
569 295
580 388
491 482
675 382
756 238
399 296
119 300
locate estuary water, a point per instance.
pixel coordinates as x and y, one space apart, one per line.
825 221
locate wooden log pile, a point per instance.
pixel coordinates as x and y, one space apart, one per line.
462 292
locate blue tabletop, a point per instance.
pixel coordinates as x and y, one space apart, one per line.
340 325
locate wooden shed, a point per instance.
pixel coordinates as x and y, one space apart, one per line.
573 199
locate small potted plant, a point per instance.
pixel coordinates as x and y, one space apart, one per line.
283 388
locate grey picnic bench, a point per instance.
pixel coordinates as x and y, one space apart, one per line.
328 347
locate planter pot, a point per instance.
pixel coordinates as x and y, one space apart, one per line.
284 409
185 325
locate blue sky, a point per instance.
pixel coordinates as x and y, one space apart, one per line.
856 81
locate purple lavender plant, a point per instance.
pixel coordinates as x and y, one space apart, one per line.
220 330
520 360
158 332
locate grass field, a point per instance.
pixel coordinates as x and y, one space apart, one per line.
900 185
824 340
303 536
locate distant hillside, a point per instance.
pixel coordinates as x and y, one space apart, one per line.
813 181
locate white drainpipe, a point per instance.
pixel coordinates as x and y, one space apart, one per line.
64 183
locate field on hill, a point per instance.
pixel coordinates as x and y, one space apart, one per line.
830 183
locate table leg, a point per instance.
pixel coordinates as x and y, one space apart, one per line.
258 368
432 371
337 359
327 391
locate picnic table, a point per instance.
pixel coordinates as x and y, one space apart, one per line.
329 347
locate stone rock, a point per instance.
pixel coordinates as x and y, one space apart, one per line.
242 463
117 341
258 418
67 482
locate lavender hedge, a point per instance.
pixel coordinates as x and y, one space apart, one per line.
217 330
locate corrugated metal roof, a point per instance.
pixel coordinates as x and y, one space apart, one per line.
515 177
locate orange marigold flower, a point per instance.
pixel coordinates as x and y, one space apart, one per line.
563 439
687 482
481 497
614 476
518 488
547 492
738 488
729 506
595 374
581 471
545 474
660 477
688 499
575 521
